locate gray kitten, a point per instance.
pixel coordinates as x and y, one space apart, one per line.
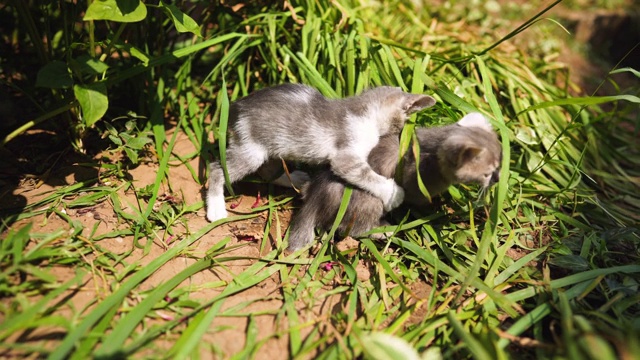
465 152
295 122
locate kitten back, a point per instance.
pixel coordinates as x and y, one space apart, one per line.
388 105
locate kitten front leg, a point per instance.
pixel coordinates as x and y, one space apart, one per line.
215 194
357 172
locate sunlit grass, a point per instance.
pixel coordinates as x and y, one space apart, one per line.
567 201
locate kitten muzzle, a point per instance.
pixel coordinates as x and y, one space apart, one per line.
495 177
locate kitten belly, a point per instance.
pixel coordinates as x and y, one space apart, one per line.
306 154
310 150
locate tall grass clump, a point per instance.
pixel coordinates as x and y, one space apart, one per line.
545 265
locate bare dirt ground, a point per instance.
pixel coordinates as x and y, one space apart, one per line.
262 299
228 333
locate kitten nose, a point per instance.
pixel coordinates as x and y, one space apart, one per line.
495 177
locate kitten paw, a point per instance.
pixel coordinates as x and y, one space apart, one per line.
216 209
300 237
300 241
396 198
382 235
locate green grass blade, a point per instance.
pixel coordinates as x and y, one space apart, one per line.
518 264
584 101
115 340
222 132
25 318
194 332
473 345
71 339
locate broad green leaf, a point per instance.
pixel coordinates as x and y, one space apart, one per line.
570 262
138 142
135 142
182 22
517 265
88 65
132 155
54 75
135 52
116 10
170 57
93 101
116 140
416 155
89 199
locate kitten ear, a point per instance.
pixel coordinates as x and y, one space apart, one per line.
413 103
475 120
458 150
467 153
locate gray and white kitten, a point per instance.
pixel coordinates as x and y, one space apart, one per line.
295 122
465 152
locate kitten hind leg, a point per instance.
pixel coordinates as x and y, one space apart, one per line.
319 202
242 160
357 172
301 231
215 194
